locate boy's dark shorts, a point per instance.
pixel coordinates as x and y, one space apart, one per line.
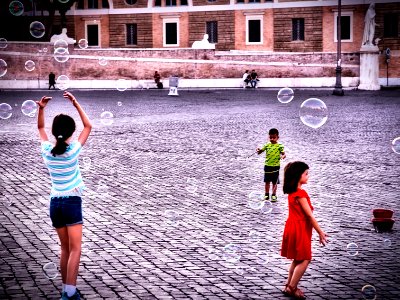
66 211
271 174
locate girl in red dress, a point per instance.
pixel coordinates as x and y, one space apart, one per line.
296 243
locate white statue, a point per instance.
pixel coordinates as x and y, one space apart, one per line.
203 44
62 36
369 29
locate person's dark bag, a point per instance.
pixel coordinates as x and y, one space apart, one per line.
160 85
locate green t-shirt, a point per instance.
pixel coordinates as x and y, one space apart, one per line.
272 154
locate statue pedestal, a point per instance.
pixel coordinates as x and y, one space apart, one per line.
369 68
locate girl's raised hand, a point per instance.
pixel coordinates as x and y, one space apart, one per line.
69 96
43 102
323 238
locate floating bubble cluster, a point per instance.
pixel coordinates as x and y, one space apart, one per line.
106 118
5 111
29 108
285 95
30 65
313 112
37 29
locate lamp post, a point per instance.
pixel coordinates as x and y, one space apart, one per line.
338 91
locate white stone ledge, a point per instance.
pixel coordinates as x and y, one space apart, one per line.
316 82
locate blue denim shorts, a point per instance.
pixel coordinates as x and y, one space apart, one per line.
66 211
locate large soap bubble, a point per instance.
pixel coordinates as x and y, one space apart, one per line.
368 292
3 68
50 270
63 82
3 43
29 108
83 44
122 85
30 65
16 8
313 112
60 44
5 111
37 29
107 118
256 200
61 55
396 145
285 95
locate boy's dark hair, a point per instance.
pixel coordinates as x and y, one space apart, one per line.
273 131
292 175
62 129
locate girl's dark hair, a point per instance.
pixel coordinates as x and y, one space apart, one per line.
63 127
292 175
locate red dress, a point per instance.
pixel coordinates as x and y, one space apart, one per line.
296 243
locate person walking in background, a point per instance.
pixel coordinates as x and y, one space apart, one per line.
157 79
52 80
296 241
61 159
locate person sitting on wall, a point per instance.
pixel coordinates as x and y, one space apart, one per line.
254 79
246 79
157 79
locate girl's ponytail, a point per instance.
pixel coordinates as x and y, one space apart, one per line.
62 129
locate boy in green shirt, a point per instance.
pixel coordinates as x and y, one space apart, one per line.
273 155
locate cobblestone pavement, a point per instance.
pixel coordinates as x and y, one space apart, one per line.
167 189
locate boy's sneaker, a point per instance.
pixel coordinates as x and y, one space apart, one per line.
274 198
266 197
75 296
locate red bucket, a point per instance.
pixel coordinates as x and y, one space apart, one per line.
382 213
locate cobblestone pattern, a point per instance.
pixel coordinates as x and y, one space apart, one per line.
143 165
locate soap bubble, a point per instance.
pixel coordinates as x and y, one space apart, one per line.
30 65
50 270
352 249
213 254
44 50
37 29
396 145
191 185
16 8
107 118
262 257
29 108
122 85
61 55
5 111
285 95
368 292
387 242
171 217
60 43
102 61
119 103
232 253
83 44
63 82
3 43
254 237
313 112
256 200
63 1
3 67
267 207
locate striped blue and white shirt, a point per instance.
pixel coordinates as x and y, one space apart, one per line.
64 170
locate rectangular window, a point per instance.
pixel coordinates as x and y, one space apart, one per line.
104 4
212 31
81 4
92 32
239 1
170 2
157 3
131 34
346 27
254 1
184 2
254 31
171 33
391 25
297 29
93 4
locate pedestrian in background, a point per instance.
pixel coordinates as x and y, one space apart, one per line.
52 80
